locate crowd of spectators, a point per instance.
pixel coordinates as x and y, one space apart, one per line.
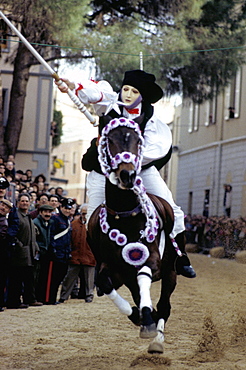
216 231
37 242
24 182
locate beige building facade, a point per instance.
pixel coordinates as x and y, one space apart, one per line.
34 144
211 142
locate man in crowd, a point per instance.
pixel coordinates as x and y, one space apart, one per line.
41 199
54 201
82 260
60 246
5 207
43 224
24 251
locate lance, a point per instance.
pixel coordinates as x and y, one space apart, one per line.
61 83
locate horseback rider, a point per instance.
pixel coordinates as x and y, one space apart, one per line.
134 101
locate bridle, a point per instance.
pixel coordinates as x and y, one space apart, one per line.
123 157
151 225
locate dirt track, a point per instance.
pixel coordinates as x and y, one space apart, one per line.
206 330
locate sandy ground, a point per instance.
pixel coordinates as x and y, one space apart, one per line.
206 329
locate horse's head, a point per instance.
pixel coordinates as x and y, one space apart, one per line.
120 152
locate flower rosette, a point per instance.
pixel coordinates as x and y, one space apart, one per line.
149 234
104 226
121 239
135 254
103 213
113 234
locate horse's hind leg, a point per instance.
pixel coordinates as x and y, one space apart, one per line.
148 328
156 346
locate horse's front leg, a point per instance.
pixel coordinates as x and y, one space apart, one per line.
148 327
105 284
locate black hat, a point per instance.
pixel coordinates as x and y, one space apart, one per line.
46 207
4 184
145 83
67 203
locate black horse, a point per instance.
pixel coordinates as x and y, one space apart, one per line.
125 233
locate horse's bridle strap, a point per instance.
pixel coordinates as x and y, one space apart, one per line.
132 213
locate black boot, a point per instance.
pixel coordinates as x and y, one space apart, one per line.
183 267
182 263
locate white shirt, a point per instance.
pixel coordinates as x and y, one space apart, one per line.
157 135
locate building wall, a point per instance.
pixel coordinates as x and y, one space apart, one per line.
71 154
211 155
34 145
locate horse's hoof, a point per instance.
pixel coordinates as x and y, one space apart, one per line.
149 331
156 347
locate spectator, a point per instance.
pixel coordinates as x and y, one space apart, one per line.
227 199
41 187
21 279
11 157
43 224
46 188
41 199
54 201
18 175
13 219
59 192
60 246
5 207
2 169
29 175
73 210
24 177
52 191
10 168
35 187
23 187
33 200
40 178
82 260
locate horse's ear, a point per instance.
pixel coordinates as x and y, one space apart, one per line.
139 119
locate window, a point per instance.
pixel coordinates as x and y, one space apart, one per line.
5 106
190 201
206 203
4 36
211 111
63 168
233 97
194 117
74 162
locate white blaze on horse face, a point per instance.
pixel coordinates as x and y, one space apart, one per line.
129 94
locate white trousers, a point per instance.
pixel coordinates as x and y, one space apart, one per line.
153 183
